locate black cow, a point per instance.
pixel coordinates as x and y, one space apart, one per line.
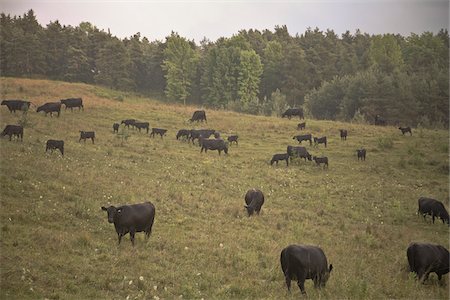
199 115
424 259
254 199
379 121
405 130
50 107
213 144
434 208
217 135
301 126
300 152
305 137
128 122
197 133
321 160
131 219
301 262
12 130
361 153
14 105
116 127
233 138
159 131
142 125
343 134
183 132
72 102
293 112
55 144
278 157
322 140
87 135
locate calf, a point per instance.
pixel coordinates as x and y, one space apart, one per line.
14 105
434 208
142 125
293 112
199 115
301 126
128 122
210 144
73 102
50 107
301 262
12 130
183 133
197 133
116 127
233 138
424 259
87 135
322 140
55 144
321 160
300 152
254 199
361 153
305 137
343 134
131 219
405 130
278 157
159 131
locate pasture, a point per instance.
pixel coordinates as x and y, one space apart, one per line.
56 242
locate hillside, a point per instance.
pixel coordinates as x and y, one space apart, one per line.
56 241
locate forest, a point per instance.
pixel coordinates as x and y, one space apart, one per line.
352 77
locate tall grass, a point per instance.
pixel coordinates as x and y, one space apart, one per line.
56 243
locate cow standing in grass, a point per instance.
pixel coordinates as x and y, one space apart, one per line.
424 259
321 160
254 199
213 144
72 102
142 125
55 144
405 130
13 130
157 131
50 107
233 138
14 105
361 153
290 112
304 137
116 127
199 115
87 135
434 208
301 126
280 156
128 122
343 134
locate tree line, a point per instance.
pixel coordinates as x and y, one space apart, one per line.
348 77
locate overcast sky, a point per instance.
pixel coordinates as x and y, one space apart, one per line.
214 19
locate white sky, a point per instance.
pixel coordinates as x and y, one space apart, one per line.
214 19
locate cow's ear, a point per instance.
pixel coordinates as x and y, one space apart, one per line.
104 208
331 268
119 210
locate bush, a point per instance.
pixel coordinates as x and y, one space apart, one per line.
385 143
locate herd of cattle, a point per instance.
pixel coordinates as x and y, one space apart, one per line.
298 262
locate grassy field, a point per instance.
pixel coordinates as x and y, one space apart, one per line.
56 241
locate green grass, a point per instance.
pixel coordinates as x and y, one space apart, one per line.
56 242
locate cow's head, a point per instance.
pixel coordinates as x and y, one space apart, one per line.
112 212
326 276
39 108
308 156
250 209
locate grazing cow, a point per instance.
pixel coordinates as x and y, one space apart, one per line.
116 127
300 152
142 125
379 121
343 134
424 259
183 133
50 107
405 130
254 199
322 140
213 144
128 122
12 130
73 102
361 153
301 126
159 131
87 135
233 138
131 219
293 112
321 160
199 115
301 262
434 208
14 105
197 133
278 157
217 135
55 144
305 137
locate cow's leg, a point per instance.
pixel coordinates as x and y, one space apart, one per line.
301 285
92 140
79 140
432 215
132 232
288 282
119 235
10 136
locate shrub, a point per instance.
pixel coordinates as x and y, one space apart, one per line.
385 143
